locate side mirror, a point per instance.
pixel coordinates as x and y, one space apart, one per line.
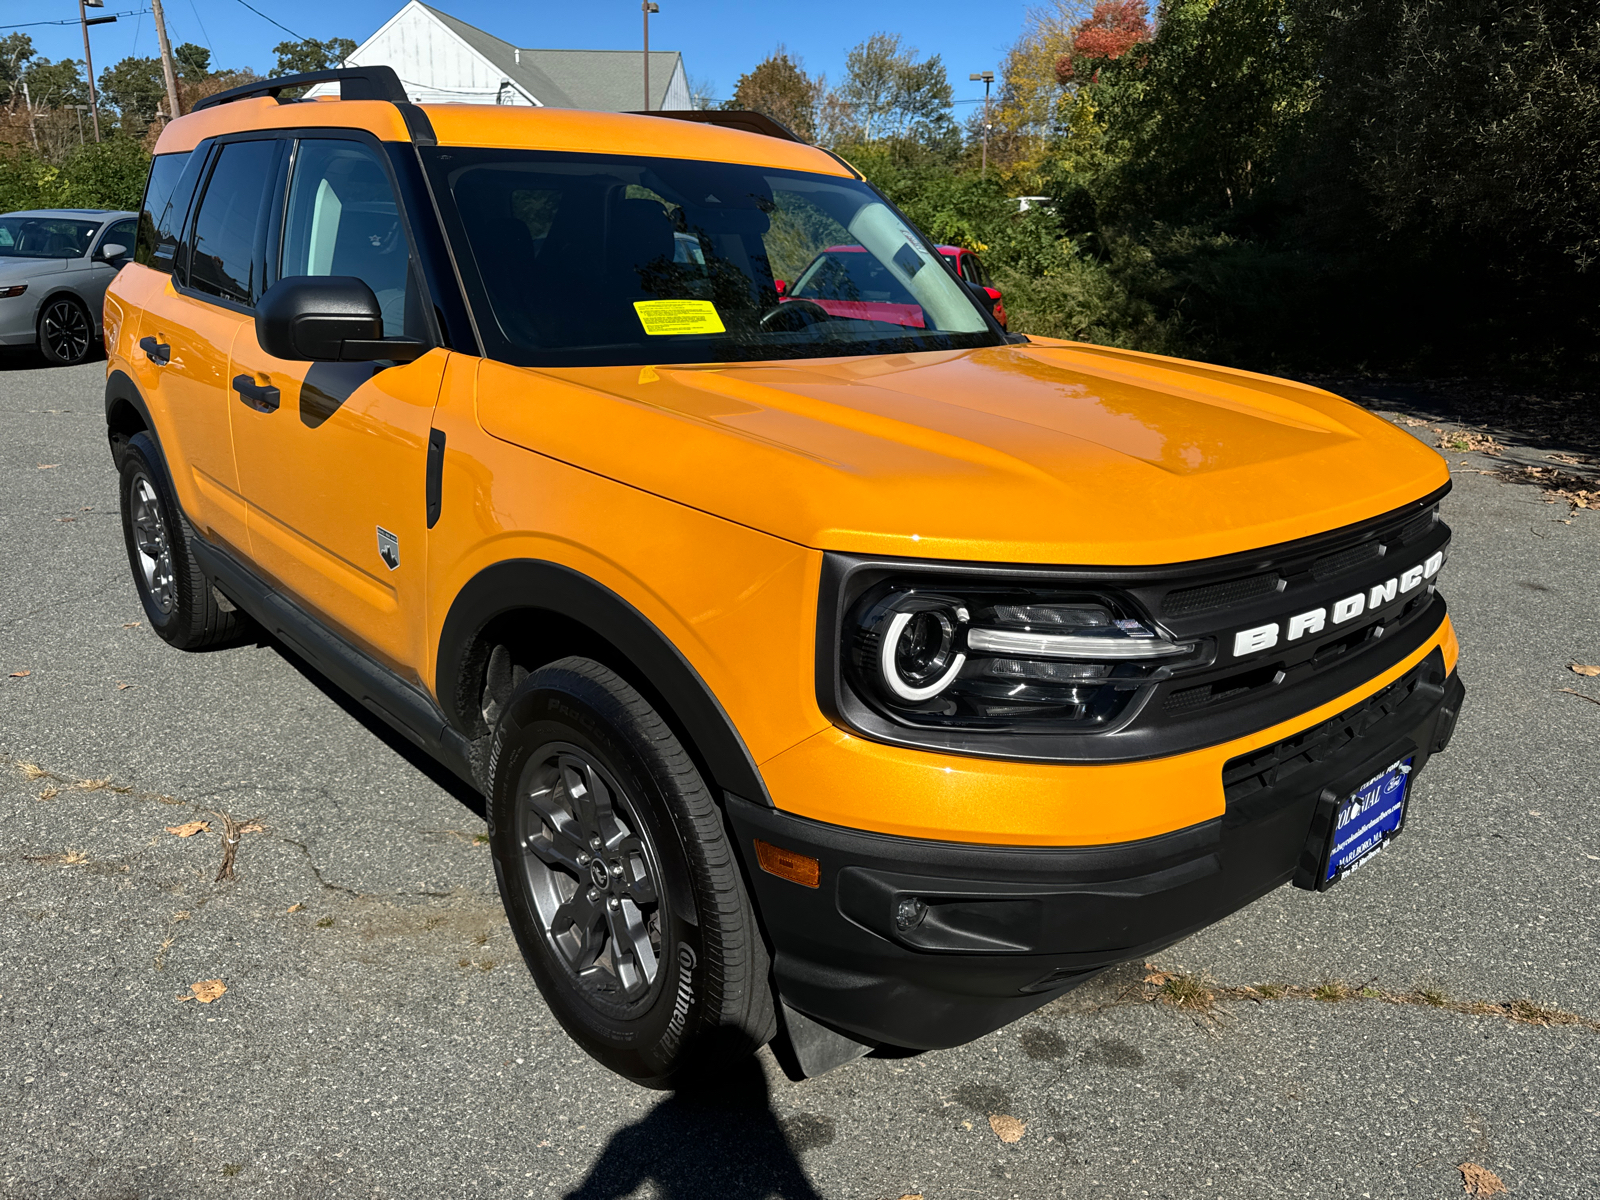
986 296
327 318
112 250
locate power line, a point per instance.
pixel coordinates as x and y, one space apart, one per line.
132 12
268 19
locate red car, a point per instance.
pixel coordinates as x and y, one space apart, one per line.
846 281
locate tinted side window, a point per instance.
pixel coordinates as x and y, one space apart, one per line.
229 234
166 201
343 220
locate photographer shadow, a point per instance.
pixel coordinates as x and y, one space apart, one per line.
719 1142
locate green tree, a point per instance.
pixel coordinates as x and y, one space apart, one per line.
15 51
192 62
55 84
297 58
892 93
136 88
780 88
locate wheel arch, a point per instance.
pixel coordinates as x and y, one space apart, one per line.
127 414
544 611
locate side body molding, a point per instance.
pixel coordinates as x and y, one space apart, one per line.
535 584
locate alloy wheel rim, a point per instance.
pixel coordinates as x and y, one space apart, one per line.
66 329
151 544
592 872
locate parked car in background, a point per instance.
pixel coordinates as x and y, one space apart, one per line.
55 264
846 281
971 269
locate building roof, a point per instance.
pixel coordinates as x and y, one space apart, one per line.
605 80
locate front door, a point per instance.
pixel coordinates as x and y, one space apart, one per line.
333 456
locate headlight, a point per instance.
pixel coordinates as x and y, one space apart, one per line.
1000 658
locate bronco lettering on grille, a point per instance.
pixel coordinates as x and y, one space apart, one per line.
1264 637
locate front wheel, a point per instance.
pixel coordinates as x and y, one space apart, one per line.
66 335
620 882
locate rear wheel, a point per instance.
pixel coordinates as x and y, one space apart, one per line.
620 882
66 336
176 595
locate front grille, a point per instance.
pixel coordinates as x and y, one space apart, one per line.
1274 765
1186 602
1332 566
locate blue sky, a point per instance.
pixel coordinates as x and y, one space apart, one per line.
719 39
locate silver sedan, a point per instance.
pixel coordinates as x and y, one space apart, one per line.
55 264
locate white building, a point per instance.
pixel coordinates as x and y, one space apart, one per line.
441 60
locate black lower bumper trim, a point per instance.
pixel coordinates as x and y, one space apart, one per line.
926 944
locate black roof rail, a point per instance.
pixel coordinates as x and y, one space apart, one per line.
742 119
355 83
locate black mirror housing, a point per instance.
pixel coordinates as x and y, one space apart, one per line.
982 295
327 318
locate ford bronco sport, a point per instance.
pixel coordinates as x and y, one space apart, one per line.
865 682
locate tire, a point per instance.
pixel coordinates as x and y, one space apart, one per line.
620 882
176 595
66 335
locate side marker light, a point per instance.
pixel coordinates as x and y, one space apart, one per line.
786 864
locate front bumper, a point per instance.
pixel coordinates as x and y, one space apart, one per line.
1003 930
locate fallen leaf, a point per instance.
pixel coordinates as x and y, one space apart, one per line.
20 674
66 520
252 827
48 466
208 990
912 1196
130 624
189 828
1157 977
1583 669
1007 1129
296 907
1533 812
1480 1181
122 687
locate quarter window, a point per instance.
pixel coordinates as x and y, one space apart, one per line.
229 232
343 219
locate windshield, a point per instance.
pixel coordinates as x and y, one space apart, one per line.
581 260
45 237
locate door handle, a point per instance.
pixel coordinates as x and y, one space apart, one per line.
261 397
157 352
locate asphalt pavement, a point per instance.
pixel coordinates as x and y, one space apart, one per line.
379 1035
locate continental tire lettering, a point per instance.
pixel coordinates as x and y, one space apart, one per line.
681 1002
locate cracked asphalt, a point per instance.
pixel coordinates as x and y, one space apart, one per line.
380 1037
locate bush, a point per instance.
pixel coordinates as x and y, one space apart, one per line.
110 174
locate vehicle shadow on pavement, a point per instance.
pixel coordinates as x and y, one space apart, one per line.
715 1143
417 757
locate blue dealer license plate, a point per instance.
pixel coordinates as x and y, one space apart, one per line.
1367 821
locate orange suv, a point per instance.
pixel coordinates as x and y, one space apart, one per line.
835 681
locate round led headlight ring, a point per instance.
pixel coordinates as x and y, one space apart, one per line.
917 655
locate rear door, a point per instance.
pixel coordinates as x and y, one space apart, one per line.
187 331
333 456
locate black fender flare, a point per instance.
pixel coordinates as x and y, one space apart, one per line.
534 583
121 389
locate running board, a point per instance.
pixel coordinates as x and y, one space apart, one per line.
404 707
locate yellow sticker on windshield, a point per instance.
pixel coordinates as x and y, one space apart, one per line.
678 316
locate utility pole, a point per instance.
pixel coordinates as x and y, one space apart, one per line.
986 78
27 102
88 60
648 7
174 108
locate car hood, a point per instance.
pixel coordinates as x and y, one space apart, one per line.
1048 452
11 268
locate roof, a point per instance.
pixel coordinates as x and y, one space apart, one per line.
603 80
70 212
